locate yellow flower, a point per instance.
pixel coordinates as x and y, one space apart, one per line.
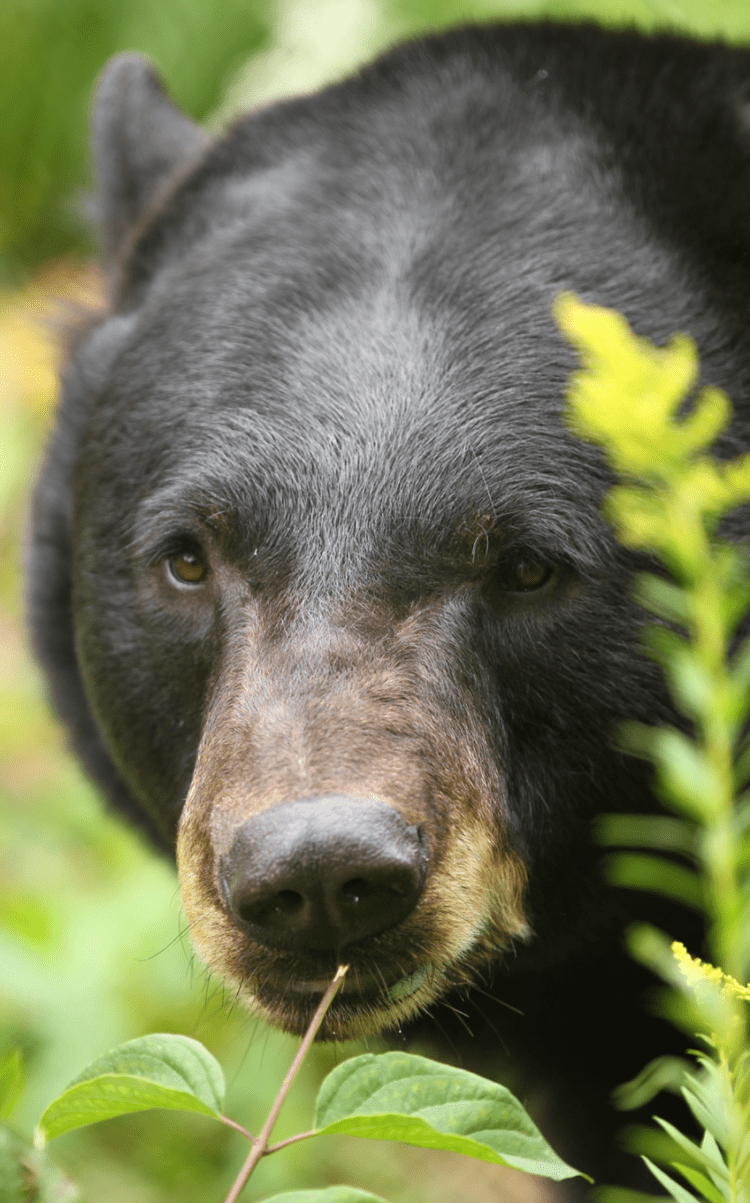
696 971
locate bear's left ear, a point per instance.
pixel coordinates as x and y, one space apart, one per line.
139 139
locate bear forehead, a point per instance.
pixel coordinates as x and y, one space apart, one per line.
345 321
457 177
360 419
408 321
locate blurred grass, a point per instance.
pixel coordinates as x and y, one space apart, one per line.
50 53
92 943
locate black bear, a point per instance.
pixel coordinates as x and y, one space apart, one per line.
319 578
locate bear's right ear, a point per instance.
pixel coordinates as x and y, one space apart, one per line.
140 138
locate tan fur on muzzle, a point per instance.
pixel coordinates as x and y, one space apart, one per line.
330 714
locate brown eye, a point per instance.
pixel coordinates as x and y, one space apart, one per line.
187 568
525 576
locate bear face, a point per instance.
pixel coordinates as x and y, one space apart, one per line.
319 577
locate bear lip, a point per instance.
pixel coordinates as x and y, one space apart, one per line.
402 988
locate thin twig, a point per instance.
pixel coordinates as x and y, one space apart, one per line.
291 1140
260 1144
233 1124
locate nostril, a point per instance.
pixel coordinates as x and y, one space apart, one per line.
356 889
324 873
384 886
283 907
288 902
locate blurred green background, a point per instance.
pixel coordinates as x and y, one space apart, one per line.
92 944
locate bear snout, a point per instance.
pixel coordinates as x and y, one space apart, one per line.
320 874
341 812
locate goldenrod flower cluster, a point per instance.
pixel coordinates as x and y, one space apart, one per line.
696 971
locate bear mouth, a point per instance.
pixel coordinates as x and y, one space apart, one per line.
365 1003
368 988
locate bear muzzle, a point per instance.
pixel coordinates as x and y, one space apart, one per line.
340 813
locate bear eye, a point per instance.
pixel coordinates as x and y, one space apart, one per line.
187 568
525 575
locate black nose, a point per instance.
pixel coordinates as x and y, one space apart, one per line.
322 873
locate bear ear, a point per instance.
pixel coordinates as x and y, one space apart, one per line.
139 139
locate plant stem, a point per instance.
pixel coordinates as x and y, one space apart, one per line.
260 1144
291 1140
720 851
238 1127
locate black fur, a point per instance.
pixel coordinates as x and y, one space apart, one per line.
329 356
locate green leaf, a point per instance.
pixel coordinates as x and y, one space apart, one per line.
693 686
663 598
167 1071
741 663
647 831
706 1155
714 1161
688 779
735 583
676 1191
709 1104
689 783
666 645
652 948
703 1184
663 1073
397 1096
742 765
622 1194
637 739
654 873
332 1194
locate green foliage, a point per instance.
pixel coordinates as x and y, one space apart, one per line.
50 55
398 1096
168 1071
28 1176
395 1096
637 402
